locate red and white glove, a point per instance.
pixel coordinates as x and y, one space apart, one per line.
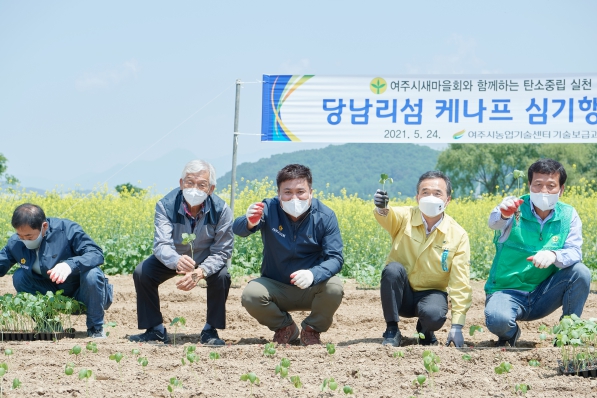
543 258
254 213
60 272
302 278
509 206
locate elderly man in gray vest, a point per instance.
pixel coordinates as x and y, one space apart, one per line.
191 209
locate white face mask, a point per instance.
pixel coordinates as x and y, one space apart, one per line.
35 243
431 206
545 201
194 196
295 207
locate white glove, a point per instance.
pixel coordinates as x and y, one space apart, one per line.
254 213
543 259
509 206
60 272
302 278
455 336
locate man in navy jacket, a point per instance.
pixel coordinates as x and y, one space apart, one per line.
56 254
302 253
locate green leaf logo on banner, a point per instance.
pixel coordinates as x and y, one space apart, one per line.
378 85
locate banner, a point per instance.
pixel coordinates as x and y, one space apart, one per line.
430 109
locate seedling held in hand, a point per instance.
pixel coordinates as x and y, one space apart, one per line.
518 175
175 322
187 239
251 378
269 350
383 179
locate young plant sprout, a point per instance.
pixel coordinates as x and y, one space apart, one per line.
282 368
213 357
523 388
419 381
112 325
347 390
504 369
175 322
143 362
269 350
173 385
191 356
187 239
431 362
330 348
383 179
91 346
518 175
473 329
296 381
534 363
85 374
136 352
330 383
398 354
117 357
69 368
16 383
467 357
76 350
3 371
419 336
251 378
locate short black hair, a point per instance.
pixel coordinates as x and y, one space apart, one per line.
436 174
294 172
28 214
547 166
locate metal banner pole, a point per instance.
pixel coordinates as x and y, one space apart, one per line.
234 146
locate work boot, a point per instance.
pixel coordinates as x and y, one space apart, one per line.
151 335
512 341
309 336
392 337
210 337
286 334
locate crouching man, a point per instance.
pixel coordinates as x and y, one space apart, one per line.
56 254
302 253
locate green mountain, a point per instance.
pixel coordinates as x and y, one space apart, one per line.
356 167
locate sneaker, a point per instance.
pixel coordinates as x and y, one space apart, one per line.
512 341
151 335
429 339
96 333
210 337
309 336
392 337
286 334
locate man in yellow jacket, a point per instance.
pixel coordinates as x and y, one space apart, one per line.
430 256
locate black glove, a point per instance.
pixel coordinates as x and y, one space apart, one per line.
381 199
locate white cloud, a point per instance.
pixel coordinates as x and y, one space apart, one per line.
296 68
89 81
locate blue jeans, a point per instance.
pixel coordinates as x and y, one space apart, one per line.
568 288
90 287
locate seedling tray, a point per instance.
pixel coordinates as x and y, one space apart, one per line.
14 336
586 372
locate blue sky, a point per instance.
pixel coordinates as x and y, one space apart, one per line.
87 88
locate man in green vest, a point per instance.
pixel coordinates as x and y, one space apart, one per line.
537 266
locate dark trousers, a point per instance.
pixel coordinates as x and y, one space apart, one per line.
151 273
398 299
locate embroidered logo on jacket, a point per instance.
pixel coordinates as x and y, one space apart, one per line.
278 232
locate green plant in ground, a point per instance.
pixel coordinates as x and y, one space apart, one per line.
269 350
136 352
76 350
112 325
69 368
143 362
473 329
347 390
251 378
398 354
117 357
419 336
213 357
534 363
431 362
91 346
179 320
522 388
419 381
16 383
85 374
190 354
282 368
3 371
467 357
330 383
173 385
504 368
296 381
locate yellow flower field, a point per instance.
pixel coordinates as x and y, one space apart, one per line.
123 226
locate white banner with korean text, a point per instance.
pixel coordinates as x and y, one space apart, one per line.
430 108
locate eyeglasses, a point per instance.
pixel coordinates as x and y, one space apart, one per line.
204 186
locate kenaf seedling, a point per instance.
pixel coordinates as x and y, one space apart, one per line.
503 369
190 355
269 350
179 320
296 381
117 357
329 383
16 383
398 354
473 329
3 371
419 336
419 381
85 374
431 362
282 368
187 239
467 357
518 175
347 390
143 362
69 368
173 385
112 325
251 378
76 350
523 388
383 178
213 357
8 352
91 346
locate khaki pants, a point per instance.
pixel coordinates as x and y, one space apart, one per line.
269 302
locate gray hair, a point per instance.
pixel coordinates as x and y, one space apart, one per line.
196 166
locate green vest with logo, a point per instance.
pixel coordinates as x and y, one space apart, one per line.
510 268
